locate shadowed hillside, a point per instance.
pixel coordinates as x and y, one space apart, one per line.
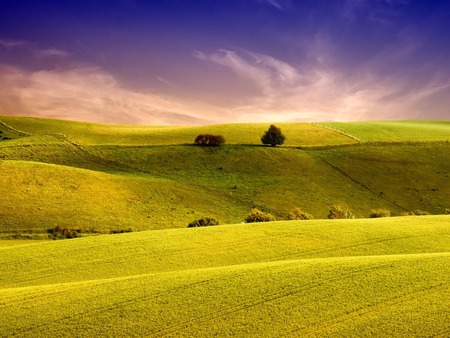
73 174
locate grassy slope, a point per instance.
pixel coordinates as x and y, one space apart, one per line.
385 277
394 131
95 134
157 187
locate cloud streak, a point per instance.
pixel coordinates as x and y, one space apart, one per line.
89 94
319 92
33 48
284 93
274 3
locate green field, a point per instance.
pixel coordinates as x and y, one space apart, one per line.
393 131
383 277
297 134
100 178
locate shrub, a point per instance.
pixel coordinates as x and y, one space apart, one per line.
273 136
257 215
338 211
59 232
376 213
447 211
203 222
209 140
299 214
416 213
120 231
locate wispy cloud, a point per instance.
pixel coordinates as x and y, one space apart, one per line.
319 92
90 94
11 44
274 3
282 5
51 52
33 48
281 92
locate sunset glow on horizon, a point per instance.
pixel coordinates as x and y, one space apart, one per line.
174 62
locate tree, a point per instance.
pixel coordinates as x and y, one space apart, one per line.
209 140
273 136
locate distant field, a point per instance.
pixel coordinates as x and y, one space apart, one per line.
394 131
297 134
384 277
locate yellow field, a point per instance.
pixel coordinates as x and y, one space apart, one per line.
383 277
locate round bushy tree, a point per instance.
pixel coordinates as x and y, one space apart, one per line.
273 136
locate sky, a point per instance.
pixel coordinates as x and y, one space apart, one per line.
196 62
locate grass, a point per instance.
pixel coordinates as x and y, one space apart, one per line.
393 131
381 277
297 134
58 181
317 278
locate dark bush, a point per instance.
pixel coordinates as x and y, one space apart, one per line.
203 222
209 140
257 215
338 211
377 213
59 232
120 231
299 214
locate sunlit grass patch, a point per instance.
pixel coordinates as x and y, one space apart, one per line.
394 131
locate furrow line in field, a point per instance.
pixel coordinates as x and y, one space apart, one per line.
257 302
120 304
354 245
361 184
323 326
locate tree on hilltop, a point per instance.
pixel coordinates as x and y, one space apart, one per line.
273 136
209 140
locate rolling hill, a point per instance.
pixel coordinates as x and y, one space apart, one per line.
100 178
385 277
377 277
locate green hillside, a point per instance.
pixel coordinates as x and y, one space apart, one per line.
303 134
393 131
383 277
71 174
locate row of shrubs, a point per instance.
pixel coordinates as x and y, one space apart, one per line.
337 211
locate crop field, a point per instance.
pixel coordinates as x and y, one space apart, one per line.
363 277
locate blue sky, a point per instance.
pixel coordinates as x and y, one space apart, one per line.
181 62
